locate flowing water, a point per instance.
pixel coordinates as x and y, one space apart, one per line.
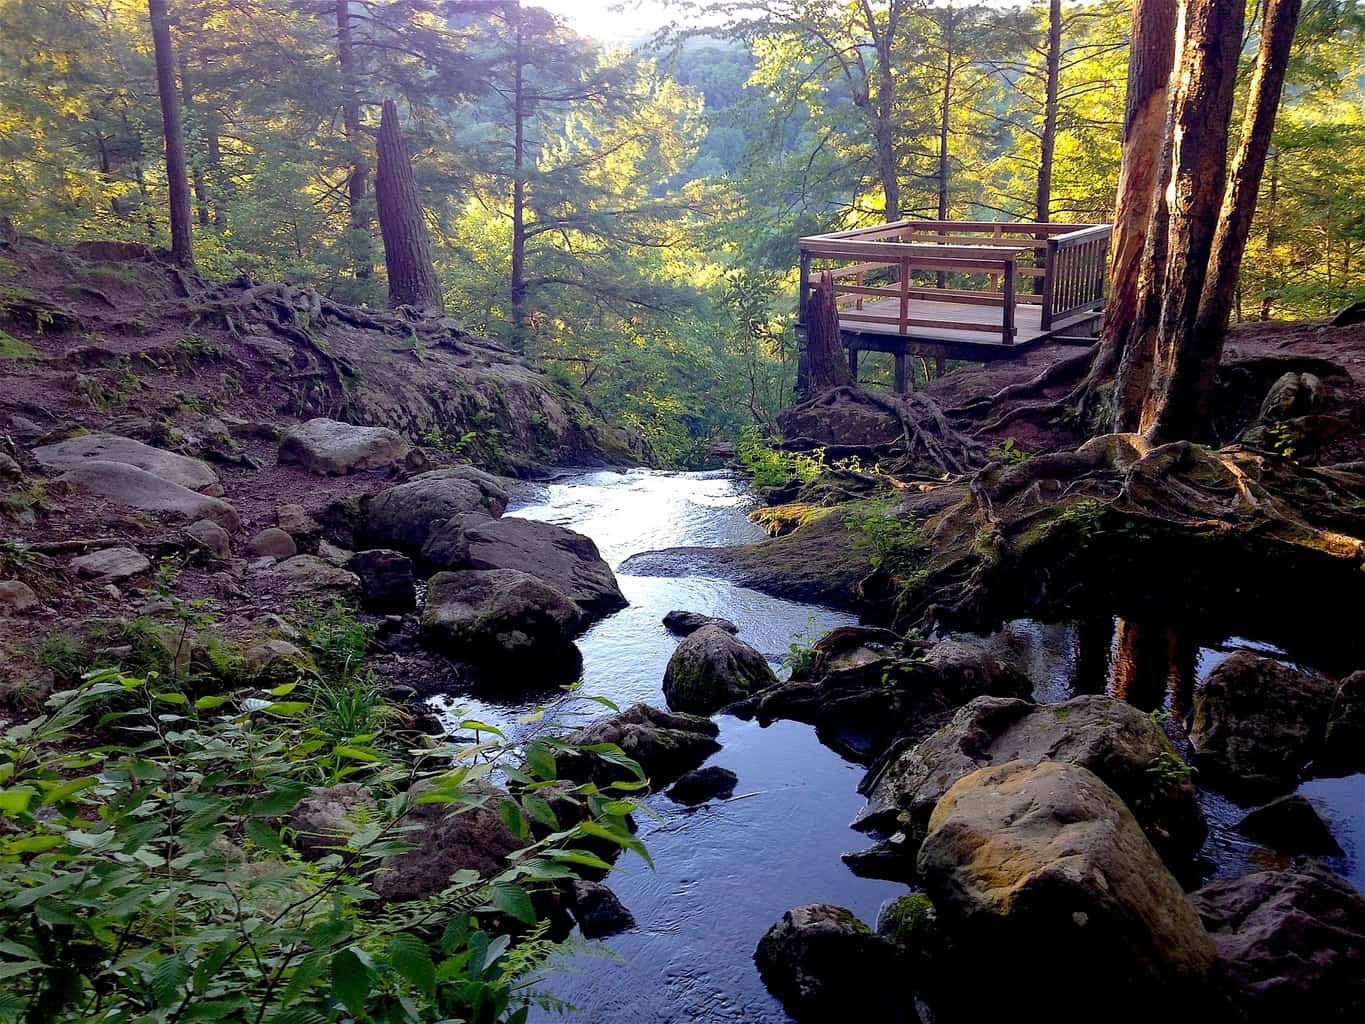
726 871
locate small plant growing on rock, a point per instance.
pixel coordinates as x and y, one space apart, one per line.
1010 453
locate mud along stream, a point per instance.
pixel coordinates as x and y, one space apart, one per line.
725 871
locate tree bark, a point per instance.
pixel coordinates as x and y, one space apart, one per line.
1188 362
1141 188
1042 202
826 364
182 241
1201 111
407 246
358 215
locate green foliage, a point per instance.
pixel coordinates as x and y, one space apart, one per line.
800 654
1010 453
12 348
148 877
892 540
770 468
441 441
1085 517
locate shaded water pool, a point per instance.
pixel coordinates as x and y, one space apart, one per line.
726 871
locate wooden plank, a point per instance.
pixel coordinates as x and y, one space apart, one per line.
899 251
1007 227
895 321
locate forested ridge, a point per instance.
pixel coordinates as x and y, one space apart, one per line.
628 217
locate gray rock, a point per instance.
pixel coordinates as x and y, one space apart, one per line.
702 784
500 614
277 661
1116 741
1290 824
1257 722
332 554
826 965
1045 861
686 623
401 517
598 911
665 745
1291 944
711 670
274 542
111 564
560 558
295 521
448 838
125 484
192 474
320 822
9 469
385 580
17 597
310 576
206 535
332 448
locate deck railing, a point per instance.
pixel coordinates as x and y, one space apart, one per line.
1066 264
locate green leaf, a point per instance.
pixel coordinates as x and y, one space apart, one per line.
212 701
284 690
539 808
474 725
14 969
168 979
513 901
287 707
15 800
305 976
264 836
357 754
171 697
582 857
411 959
512 817
350 980
541 760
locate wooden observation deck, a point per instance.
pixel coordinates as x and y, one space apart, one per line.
969 290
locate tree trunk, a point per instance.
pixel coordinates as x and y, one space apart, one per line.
1272 264
182 242
358 216
1201 110
1042 203
517 282
201 198
1142 179
407 247
826 364
886 132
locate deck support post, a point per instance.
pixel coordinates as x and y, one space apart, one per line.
940 365
1007 319
805 289
853 362
902 360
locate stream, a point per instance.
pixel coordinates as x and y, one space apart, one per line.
724 872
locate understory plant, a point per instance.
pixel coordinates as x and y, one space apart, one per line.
148 871
769 468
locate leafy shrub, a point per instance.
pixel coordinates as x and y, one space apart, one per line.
146 875
892 541
769 468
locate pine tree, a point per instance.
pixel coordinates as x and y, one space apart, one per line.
407 246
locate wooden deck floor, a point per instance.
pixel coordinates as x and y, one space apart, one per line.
1027 321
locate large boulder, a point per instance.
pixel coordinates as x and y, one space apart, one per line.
1257 722
1034 865
495 614
683 623
332 448
868 690
1291 944
447 838
402 516
664 745
1291 825
825 965
207 536
598 911
272 541
309 576
385 580
712 669
127 485
561 558
320 823
1115 740
193 474
17 597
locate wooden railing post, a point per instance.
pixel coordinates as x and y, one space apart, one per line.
905 296
1007 316
804 290
1049 283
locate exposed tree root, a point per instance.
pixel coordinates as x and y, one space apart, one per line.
1061 372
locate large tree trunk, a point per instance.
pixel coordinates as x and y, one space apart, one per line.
1042 200
827 367
1140 192
182 241
1193 326
358 216
407 247
1190 348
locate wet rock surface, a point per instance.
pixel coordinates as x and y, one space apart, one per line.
1257 722
386 581
711 669
824 965
1116 741
1291 825
500 613
1047 862
598 911
664 744
684 623
710 783
403 516
1290 944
